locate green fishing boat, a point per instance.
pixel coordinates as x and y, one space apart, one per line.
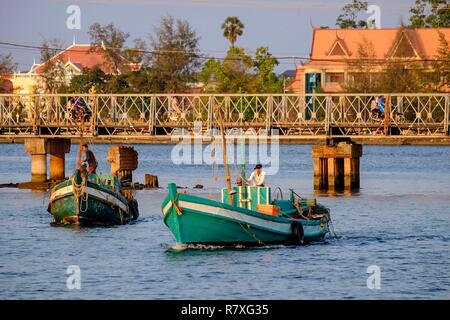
92 199
197 220
246 215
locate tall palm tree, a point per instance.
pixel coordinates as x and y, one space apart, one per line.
232 28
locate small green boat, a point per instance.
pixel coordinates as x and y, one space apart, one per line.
95 199
196 220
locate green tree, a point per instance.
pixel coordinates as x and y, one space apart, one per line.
175 55
6 63
265 63
442 63
7 66
90 77
364 73
233 75
348 19
53 76
110 40
232 28
137 53
430 13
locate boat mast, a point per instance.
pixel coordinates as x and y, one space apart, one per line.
81 142
225 160
242 146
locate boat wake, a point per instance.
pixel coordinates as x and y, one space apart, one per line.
180 247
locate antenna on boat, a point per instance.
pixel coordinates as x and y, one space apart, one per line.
225 160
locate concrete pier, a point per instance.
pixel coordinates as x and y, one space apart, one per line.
336 165
58 149
123 161
38 149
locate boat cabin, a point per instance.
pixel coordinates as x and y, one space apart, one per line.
260 199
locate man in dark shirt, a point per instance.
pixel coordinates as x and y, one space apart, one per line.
90 159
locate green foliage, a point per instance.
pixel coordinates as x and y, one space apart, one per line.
236 75
430 13
362 69
90 77
232 28
398 74
6 63
348 19
53 76
265 63
442 62
112 40
136 54
175 55
240 73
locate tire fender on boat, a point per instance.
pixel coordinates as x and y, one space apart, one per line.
298 233
133 205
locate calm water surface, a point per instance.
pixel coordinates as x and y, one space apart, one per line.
399 221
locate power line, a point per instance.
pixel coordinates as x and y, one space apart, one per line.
204 56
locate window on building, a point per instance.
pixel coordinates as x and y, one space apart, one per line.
334 77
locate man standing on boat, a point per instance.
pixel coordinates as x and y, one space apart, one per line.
257 176
90 159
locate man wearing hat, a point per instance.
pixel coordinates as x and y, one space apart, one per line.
257 176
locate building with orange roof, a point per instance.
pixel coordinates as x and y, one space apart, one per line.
74 59
335 51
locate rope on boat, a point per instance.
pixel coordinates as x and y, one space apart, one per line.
330 223
80 195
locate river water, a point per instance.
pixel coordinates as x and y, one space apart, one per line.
398 222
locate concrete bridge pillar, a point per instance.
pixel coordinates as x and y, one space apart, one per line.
336 165
58 149
37 148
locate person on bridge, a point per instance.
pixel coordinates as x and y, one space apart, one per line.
381 102
257 176
90 159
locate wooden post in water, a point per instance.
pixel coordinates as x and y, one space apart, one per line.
336 165
151 181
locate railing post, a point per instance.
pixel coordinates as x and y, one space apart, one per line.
210 113
447 114
269 113
387 115
94 115
36 116
2 106
327 114
151 116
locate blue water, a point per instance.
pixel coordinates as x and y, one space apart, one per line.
399 221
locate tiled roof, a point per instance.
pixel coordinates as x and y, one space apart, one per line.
424 41
82 56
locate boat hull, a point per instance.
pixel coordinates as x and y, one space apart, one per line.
195 220
94 206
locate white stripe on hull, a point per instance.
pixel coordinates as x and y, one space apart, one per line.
243 218
104 196
167 207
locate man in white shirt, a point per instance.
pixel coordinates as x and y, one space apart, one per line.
257 176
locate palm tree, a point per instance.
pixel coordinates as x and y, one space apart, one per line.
232 28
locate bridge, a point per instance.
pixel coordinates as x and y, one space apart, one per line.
153 118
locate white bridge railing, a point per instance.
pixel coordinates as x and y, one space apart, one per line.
164 114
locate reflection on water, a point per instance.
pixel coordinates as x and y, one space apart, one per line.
399 221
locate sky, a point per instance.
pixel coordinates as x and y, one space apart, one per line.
284 26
